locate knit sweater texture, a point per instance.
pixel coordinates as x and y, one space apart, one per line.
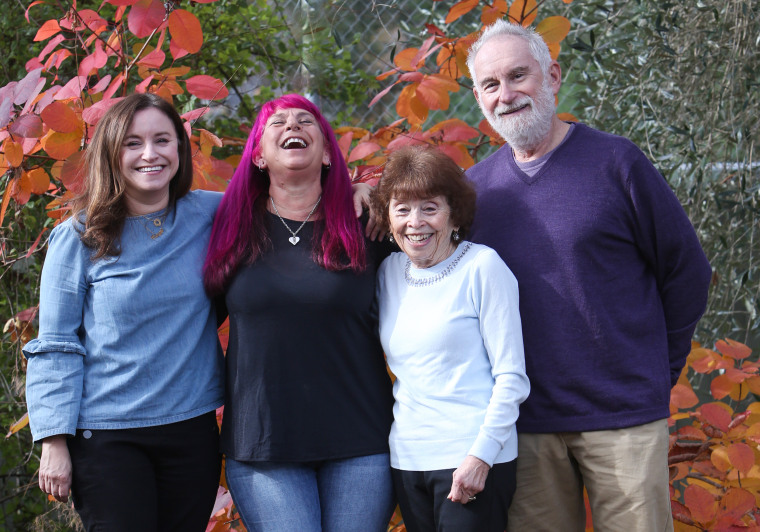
612 279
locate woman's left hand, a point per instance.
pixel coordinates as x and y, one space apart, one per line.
469 479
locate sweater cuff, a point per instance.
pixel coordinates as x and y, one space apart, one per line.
485 448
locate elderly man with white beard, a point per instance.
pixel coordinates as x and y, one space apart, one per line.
612 283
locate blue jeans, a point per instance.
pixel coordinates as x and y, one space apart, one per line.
347 495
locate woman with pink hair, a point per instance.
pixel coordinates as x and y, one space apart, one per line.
308 400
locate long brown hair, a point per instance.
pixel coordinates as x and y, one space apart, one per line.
101 209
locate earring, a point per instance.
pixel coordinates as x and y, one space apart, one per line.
328 166
455 235
390 237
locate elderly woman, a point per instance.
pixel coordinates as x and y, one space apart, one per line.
308 401
125 376
450 327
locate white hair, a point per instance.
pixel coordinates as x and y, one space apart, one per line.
536 44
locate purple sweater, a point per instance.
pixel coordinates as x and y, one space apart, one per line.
611 275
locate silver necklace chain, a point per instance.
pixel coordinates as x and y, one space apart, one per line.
295 239
411 281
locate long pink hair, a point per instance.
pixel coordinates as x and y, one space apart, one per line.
239 234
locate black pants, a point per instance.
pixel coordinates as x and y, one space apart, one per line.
425 508
162 478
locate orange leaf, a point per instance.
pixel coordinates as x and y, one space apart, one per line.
145 16
18 425
459 9
21 189
6 201
721 386
39 180
363 150
733 349
47 30
682 396
493 12
61 145
523 12
404 59
741 457
719 459
186 30
458 153
700 503
60 117
14 152
344 143
432 94
410 107
206 87
553 29
738 502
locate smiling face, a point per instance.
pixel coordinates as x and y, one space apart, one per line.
516 97
149 159
292 141
422 228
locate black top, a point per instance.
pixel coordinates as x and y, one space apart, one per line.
306 377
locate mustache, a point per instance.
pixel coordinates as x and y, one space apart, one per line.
502 109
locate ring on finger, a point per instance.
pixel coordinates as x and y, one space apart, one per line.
471 498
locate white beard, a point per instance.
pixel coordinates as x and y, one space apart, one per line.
527 130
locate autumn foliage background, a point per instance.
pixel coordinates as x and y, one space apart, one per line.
677 77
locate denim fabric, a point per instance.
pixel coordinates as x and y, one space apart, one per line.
129 341
345 495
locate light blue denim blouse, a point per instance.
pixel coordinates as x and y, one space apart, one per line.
128 341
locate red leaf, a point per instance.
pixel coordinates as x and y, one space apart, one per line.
206 87
60 117
121 2
72 172
145 16
195 114
101 85
61 145
682 396
39 180
716 415
154 59
741 457
49 47
681 513
454 130
35 244
36 2
186 30
27 126
700 503
94 61
73 89
176 51
363 150
691 433
47 30
733 349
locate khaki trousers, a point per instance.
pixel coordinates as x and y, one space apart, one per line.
625 472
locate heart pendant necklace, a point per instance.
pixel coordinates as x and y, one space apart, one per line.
295 239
